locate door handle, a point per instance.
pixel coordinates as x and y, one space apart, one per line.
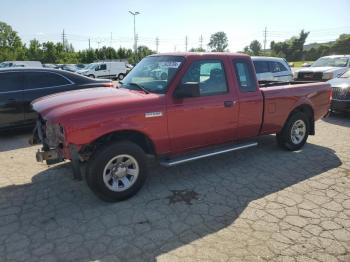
228 103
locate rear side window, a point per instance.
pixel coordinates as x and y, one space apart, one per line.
245 76
277 67
261 67
10 82
44 79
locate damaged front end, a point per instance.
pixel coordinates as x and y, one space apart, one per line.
51 136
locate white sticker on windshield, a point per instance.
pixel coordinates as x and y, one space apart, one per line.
170 64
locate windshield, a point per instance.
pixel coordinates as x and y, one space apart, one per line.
153 73
331 61
90 66
346 74
5 64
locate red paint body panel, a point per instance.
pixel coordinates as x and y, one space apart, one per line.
185 124
281 101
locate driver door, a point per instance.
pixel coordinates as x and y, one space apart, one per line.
208 119
101 70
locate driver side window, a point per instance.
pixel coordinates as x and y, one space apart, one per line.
101 67
209 74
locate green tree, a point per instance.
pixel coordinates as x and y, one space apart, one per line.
11 47
34 51
291 49
142 51
50 53
253 49
218 42
341 45
197 49
124 53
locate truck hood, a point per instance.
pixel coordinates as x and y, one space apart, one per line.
340 82
87 101
326 69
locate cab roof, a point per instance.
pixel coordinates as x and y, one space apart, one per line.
202 54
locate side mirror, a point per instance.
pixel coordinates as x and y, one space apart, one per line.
190 89
97 68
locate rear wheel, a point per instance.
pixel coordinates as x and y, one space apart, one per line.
117 171
295 132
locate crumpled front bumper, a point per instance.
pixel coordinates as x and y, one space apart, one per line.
51 155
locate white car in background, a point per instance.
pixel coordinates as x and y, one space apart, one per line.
111 70
324 68
272 69
8 64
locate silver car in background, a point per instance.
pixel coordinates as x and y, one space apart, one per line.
324 68
272 69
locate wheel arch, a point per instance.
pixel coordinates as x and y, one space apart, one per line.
307 110
137 137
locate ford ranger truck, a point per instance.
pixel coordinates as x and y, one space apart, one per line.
209 103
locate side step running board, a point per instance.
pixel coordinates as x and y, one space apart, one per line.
205 153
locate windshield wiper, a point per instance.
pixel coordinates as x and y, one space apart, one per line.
140 87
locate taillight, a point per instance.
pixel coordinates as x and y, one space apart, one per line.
110 84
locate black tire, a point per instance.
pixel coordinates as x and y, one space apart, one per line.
121 76
284 138
97 163
91 76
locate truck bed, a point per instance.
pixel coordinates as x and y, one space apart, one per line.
281 99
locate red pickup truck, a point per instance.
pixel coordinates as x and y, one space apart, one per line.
196 105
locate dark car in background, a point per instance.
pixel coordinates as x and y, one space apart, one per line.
341 92
20 86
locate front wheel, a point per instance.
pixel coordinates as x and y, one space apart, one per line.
117 171
91 76
295 132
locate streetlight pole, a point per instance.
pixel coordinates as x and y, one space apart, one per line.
134 14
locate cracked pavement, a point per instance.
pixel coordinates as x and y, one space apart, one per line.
259 204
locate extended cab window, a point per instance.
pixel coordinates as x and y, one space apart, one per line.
245 76
210 76
44 79
10 82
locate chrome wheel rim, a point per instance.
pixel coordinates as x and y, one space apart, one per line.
298 132
120 173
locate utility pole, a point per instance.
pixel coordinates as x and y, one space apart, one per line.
265 34
89 44
201 42
135 40
111 40
186 43
157 43
63 39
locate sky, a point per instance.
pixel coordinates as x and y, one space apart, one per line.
108 22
